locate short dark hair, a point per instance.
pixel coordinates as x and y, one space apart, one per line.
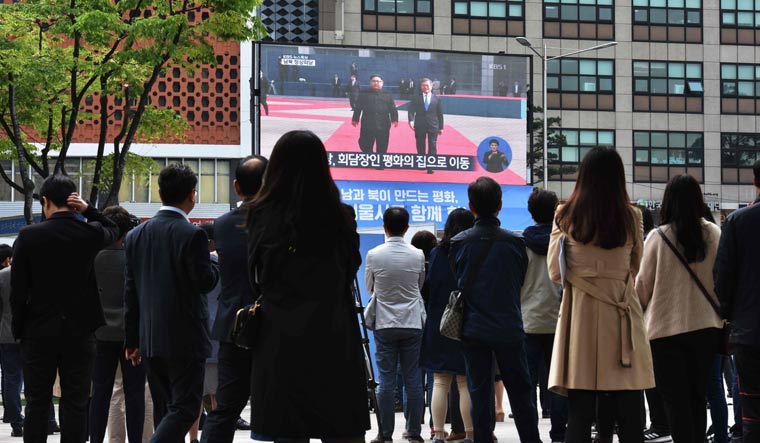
123 219
425 241
485 196
5 252
541 205
57 189
396 220
493 141
175 182
756 171
376 75
249 174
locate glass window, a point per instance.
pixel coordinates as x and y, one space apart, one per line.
667 78
479 9
587 76
659 148
741 13
743 88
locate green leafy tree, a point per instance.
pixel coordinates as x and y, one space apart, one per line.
57 54
536 154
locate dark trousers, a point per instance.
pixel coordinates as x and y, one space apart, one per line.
512 360
107 358
73 358
681 364
716 398
623 405
232 394
748 367
12 379
657 416
432 139
176 385
369 135
539 347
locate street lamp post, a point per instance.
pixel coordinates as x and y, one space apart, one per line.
525 42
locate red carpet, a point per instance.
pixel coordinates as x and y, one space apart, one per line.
345 139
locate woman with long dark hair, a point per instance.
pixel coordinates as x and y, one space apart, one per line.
441 355
307 377
599 346
682 326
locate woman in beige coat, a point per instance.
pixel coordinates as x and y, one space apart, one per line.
682 325
600 345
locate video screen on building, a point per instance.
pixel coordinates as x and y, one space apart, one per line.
391 115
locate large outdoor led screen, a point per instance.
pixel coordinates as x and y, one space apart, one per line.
482 99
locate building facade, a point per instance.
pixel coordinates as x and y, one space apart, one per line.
679 93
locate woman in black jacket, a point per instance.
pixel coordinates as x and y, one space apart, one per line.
307 378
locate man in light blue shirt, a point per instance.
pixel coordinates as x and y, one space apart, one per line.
395 272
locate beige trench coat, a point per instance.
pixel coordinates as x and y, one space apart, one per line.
600 342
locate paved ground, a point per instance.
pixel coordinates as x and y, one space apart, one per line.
505 432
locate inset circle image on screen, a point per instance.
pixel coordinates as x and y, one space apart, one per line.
494 154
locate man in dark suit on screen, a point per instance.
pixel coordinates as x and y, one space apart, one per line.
56 308
167 274
234 363
426 118
378 112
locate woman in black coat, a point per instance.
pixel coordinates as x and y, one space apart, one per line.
307 377
439 354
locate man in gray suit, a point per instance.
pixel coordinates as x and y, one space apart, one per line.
395 272
168 272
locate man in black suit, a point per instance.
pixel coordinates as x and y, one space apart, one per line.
167 274
378 112
55 306
234 363
426 118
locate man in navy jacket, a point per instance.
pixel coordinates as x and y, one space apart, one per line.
493 324
167 275
234 363
737 284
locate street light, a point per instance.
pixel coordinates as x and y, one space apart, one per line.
525 42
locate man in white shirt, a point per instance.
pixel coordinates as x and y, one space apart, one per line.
395 272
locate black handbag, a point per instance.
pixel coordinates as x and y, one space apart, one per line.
247 325
723 346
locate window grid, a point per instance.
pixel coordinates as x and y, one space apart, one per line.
402 16
579 19
667 20
667 86
739 151
740 22
564 158
488 17
574 83
660 155
740 88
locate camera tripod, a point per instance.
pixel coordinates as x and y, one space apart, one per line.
368 369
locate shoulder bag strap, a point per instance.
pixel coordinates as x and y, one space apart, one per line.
691 272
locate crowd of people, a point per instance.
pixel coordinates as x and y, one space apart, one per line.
608 307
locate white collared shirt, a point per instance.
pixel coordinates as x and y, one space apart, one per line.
395 272
175 209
